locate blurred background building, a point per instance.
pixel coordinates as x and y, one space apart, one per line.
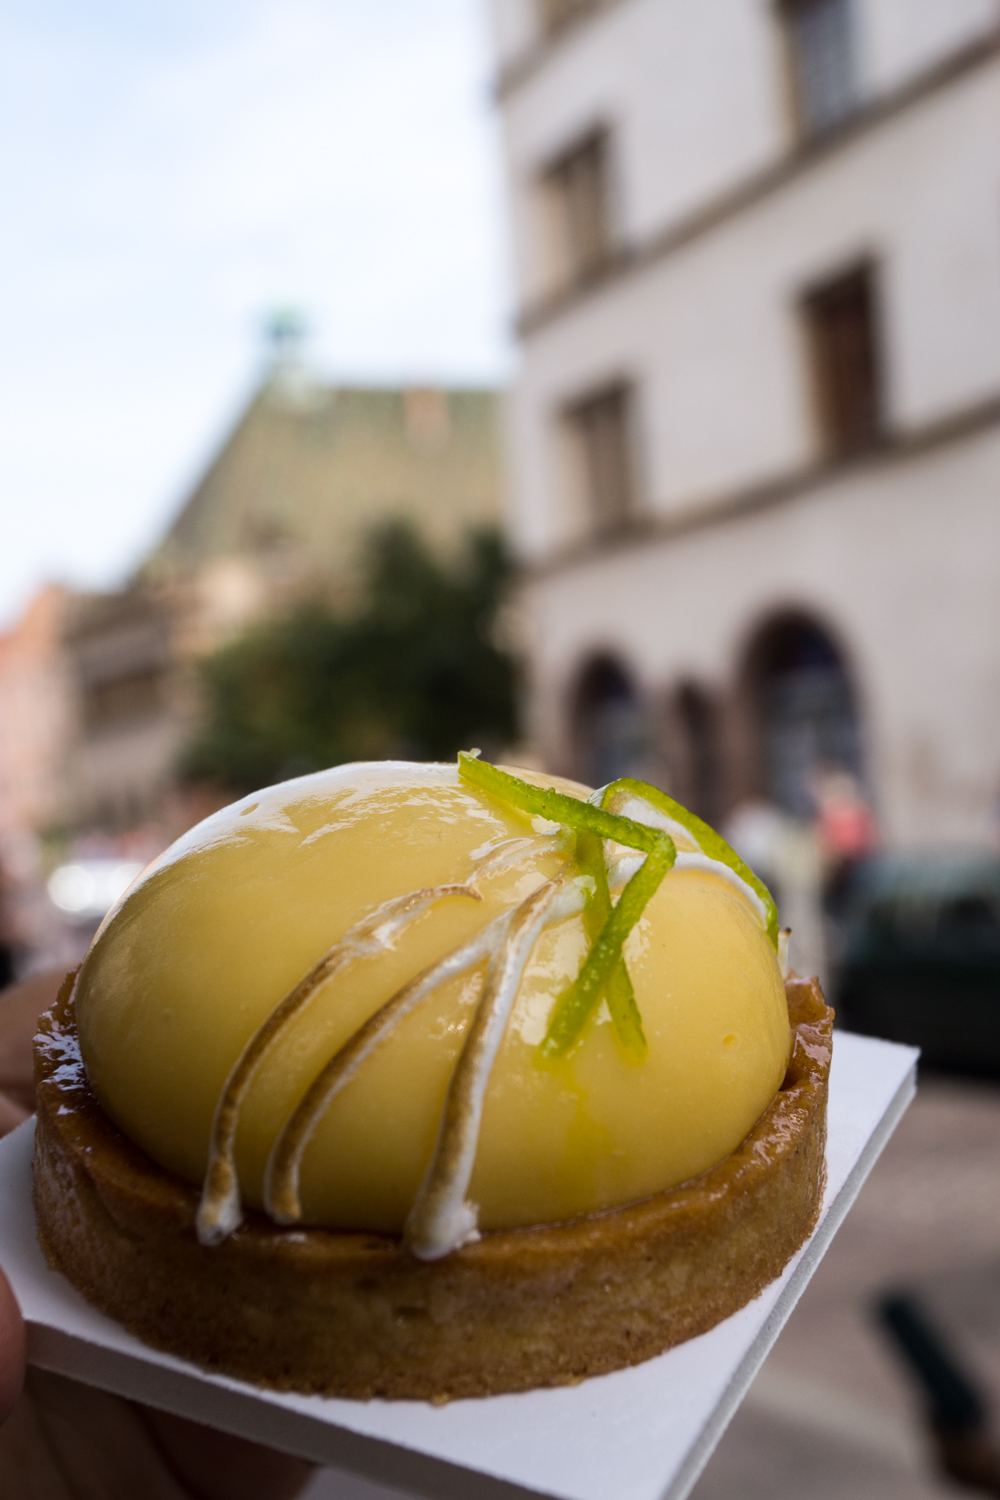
281 515
755 436
99 693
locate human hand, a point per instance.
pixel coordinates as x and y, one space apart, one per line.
59 1430
12 1349
20 1007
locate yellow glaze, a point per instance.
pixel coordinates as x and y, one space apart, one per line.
215 932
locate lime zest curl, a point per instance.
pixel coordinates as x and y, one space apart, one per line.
575 1006
618 992
708 841
558 807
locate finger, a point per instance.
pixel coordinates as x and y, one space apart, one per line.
217 1466
12 1348
12 1115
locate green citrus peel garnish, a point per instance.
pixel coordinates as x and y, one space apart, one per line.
618 991
595 979
708 841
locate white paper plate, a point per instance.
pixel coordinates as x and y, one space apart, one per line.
639 1434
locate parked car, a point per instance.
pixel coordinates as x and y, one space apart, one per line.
921 959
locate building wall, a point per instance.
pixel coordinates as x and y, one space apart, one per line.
675 140
698 97
725 218
898 38
920 641
710 333
36 713
133 706
281 515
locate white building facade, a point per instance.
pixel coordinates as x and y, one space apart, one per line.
755 436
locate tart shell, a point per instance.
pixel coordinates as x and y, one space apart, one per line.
354 1314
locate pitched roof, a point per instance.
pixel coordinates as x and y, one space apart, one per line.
310 468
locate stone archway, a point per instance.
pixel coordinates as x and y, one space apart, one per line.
695 750
804 709
609 731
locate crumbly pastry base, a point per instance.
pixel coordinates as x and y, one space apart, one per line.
352 1314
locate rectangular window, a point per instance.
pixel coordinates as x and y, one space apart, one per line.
578 186
821 48
601 431
124 700
555 14
841 330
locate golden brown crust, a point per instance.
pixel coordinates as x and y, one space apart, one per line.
356 1315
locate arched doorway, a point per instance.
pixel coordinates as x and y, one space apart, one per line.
805 709
695 736
609 731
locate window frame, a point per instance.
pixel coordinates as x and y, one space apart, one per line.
570 269
556 16
601 520
833 433
807 127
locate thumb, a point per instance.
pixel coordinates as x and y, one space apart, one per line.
12 1348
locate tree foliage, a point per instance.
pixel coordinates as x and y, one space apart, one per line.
413 672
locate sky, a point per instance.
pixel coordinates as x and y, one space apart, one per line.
174 171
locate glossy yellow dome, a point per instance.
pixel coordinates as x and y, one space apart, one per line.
230 918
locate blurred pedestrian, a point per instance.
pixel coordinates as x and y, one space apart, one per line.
846 828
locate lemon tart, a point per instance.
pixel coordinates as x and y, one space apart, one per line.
432 1081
